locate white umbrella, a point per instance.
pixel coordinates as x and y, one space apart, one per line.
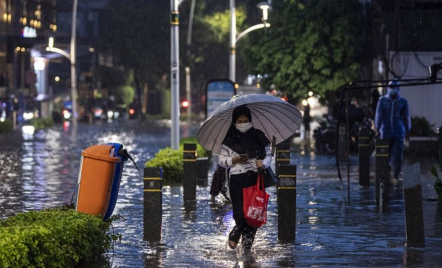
278 120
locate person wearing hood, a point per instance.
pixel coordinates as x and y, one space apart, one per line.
393 122
244 150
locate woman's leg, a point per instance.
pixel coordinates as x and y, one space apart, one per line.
396 151
237 184
248 236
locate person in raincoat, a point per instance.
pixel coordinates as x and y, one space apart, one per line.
392 121
244 150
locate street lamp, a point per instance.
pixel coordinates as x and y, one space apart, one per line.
264 6
72 58
175 72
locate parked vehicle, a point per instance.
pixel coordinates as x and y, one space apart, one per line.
325 135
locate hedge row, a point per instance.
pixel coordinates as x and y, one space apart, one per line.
41 123
6 126
52 238
171 161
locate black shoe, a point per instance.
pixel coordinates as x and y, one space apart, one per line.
234 237
226 197
249 260
247 238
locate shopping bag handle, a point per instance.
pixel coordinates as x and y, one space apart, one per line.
260 182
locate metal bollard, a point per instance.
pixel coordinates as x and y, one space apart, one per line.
287 203
282 155
414 216
202 171
382 173
153 203
189 171
364 158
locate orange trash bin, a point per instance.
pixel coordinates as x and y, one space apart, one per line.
95 178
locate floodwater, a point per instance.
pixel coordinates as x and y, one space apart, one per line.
41 171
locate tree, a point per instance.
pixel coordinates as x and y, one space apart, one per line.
209 51
137 35
315 45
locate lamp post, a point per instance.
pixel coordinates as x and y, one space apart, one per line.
72 58
175 72
265 6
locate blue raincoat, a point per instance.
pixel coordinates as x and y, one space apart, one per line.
392 117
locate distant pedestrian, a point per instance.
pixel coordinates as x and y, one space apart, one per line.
393 122
307 119
355 113
219 183
2 80
374 101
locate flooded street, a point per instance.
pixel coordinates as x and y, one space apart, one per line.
43 171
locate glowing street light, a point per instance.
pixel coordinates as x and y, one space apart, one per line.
72 58
264 6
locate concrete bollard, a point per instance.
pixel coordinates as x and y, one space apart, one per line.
189 171
414 216
282 155
202 171
364 158
153 203
287 203
382 173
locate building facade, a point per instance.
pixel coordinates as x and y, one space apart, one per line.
31 75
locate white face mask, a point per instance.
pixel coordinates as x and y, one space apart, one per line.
243 127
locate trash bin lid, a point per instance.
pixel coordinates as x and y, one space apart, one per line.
101 152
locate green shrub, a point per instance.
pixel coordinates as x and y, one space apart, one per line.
171 161
52 238
421 127
6 126
40 123
434 169
154 117
438 183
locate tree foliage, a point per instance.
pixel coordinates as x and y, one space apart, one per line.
208 53
137 35
315 45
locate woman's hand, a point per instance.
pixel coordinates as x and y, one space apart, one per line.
239 159
259 163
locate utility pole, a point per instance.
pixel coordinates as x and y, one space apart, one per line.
232 41
175 73
72 57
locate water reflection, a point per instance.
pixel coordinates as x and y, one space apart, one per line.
43 170
413 257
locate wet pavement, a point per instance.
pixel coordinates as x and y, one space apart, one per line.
41 170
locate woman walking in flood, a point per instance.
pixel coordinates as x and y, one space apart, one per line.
244 151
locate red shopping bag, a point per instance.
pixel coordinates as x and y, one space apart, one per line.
255 201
